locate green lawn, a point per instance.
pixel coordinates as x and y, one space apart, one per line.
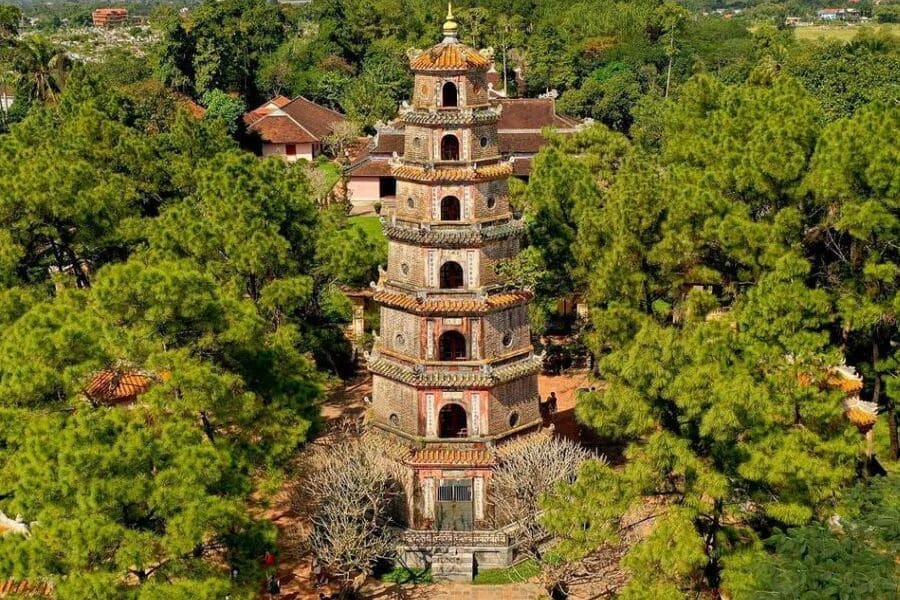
404 575
515 574
841 33
371 226
332 173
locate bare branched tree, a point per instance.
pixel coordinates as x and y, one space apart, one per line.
527 472
352 495
341 137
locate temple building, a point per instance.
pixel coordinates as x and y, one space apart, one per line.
454 371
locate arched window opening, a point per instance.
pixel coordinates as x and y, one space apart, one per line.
449 96
450 209
449 148
452 421
452 346
451 276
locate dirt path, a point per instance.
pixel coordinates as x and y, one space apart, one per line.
456 591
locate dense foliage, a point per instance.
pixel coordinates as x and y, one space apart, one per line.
137 238
740 245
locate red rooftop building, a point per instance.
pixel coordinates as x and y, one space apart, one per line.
109 17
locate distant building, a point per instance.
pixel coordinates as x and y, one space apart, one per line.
838 14
292 129
109 17
7 96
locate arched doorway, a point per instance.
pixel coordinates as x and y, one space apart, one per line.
451 275
449 147
450 209
452 346
449 95
452 421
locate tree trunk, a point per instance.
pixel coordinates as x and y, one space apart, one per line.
207 426
889 402
671 60
892 423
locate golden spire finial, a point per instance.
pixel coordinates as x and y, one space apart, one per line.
451 27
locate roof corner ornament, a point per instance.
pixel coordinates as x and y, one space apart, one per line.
451 27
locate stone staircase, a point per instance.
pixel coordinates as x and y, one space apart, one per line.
452 565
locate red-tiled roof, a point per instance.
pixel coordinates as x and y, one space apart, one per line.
522 167
313 117
12 588
280 101
521 143
449 56
388 142
264 109
532 113
862 418
487 172
281 129
371 167
493 302
184 101
297 121
110 11
112 386
451 457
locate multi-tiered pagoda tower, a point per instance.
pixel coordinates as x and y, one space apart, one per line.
454 372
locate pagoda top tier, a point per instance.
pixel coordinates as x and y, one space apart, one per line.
450 54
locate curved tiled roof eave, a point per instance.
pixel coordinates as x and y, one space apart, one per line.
490 304
454 238
449 56
397 372
413 173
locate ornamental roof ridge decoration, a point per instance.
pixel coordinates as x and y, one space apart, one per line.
465 116
417 375
450 238
449 54
498 170
421 305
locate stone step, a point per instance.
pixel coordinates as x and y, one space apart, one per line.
452 565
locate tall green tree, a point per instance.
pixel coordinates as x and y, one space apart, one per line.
220 47
854 180
710 328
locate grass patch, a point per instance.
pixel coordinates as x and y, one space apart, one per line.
371 226
332 173
517 573
403 575
841 33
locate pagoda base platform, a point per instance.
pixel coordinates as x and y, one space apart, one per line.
455 555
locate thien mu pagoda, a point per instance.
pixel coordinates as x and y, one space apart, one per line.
454 371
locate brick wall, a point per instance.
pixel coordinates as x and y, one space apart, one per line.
393 398
420 208
518 396
514 321
471 89
489 136
401 332
413 257
417 144
481 194
424 91
476 88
